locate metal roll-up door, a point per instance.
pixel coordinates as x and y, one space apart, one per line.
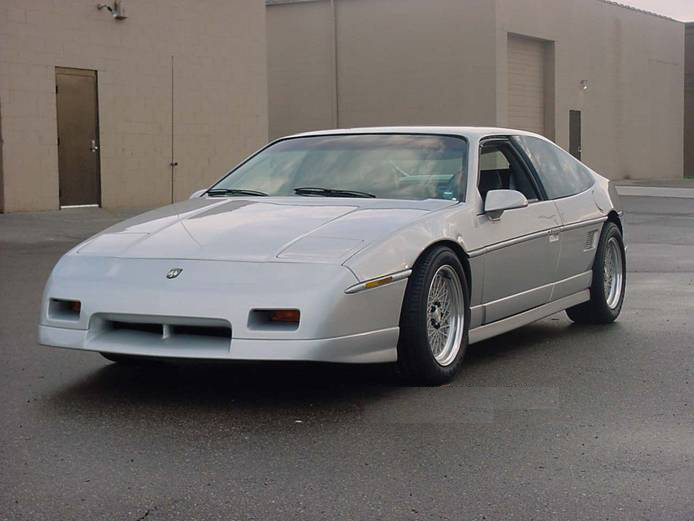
526 84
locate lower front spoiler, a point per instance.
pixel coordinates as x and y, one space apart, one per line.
363 348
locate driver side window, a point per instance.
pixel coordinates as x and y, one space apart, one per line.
502 169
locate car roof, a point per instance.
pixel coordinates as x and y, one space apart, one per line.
469 132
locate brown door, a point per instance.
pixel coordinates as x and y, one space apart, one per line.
78 137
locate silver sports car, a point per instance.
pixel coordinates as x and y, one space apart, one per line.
361 246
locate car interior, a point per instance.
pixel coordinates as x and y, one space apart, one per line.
502 169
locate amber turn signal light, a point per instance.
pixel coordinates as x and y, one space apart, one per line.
379 282
285 315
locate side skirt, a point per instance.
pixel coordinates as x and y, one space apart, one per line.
532 315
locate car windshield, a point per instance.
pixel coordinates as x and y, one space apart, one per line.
389 166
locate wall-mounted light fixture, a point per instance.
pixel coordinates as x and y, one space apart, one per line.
117 10
584 85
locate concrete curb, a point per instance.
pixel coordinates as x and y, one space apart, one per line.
655 191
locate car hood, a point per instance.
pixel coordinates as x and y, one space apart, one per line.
255 229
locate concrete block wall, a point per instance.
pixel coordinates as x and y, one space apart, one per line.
409 62
346 63
445 62
632 61
302 87
219 94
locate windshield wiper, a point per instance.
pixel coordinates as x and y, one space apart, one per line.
330 192
214 192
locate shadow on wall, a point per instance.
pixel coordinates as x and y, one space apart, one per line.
2 180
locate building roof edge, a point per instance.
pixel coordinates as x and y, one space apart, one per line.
643 11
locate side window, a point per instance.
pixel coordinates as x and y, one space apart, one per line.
502 169
560 173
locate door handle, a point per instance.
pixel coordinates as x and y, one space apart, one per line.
554 234
94 147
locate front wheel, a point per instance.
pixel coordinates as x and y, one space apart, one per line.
434 319
609 281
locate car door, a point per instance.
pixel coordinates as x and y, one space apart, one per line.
569 184
522 246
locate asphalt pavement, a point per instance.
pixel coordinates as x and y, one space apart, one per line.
553 421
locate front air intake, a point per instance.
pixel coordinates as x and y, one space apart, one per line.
139 327
155 335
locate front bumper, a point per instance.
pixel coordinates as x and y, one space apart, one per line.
362 348
334 326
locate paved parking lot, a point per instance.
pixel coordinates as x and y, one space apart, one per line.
553 421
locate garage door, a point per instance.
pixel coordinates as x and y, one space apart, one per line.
526 84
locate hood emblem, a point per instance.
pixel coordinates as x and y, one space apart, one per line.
173 273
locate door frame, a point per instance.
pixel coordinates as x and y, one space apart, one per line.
91 73
528 244
576 116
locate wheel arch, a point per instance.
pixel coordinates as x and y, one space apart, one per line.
613 217
460 253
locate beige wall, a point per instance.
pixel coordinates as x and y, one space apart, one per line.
442 62
689 103
300 47
220 95
633 62
406 62
2 183
391 69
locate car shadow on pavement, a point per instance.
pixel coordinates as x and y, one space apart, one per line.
262 393
549 335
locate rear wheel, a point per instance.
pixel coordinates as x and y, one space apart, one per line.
609 281
434 319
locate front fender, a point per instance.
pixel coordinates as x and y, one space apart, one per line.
400 250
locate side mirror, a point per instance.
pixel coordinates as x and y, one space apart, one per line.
498 201
197 194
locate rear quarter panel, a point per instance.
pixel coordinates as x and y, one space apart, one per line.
582 219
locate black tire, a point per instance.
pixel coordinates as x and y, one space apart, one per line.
597 310
416 361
